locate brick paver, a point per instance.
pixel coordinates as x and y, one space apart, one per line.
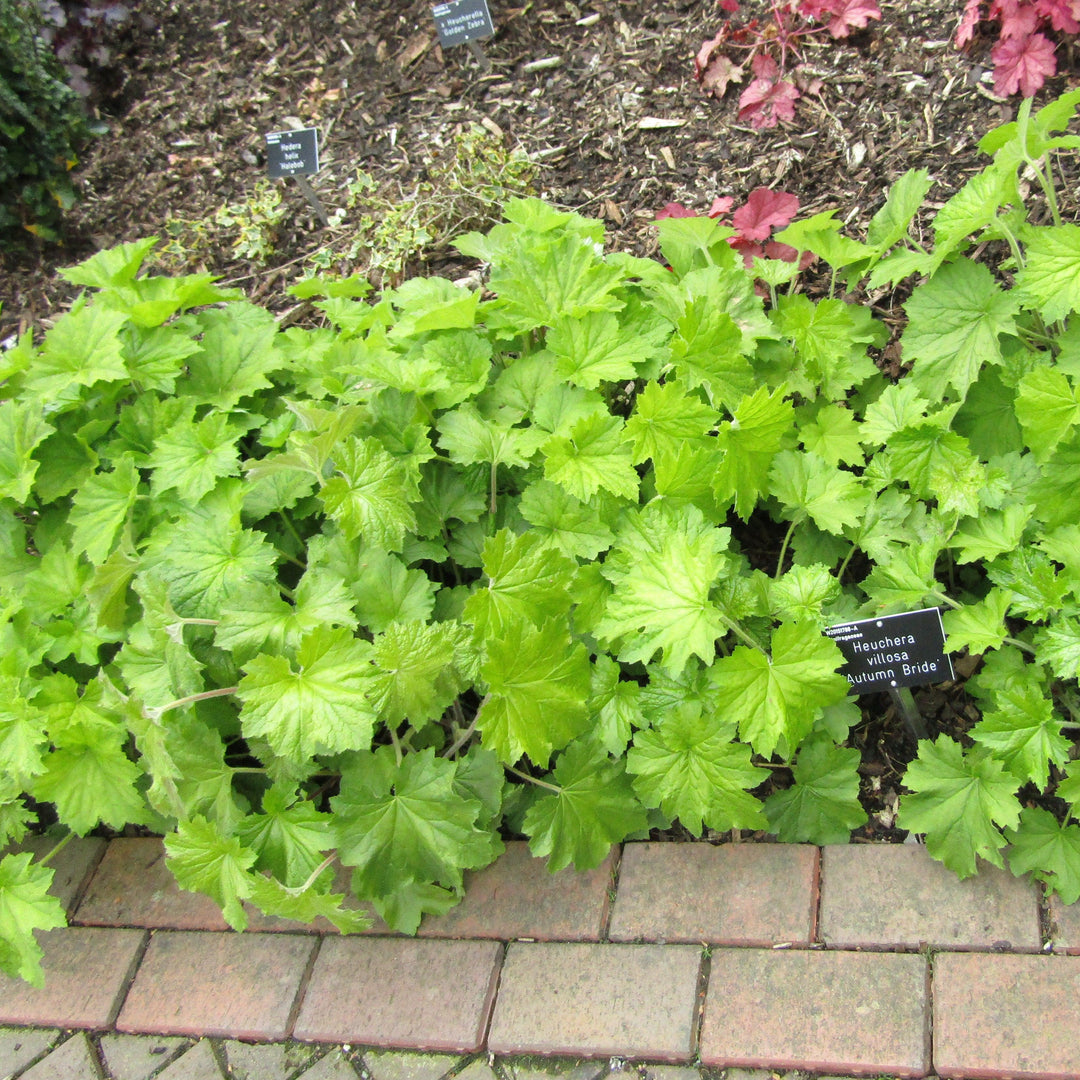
597 1000
334 1066
133 886
735 894
19 1046
398 1065
265 1061
198 1063
136 1057
517 897
821 1011
1065 923
897 896
1006 1015
86 973
242 986
73 1060
425 994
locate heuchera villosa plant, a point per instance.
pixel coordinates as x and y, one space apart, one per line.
1023 56
770 95
336 609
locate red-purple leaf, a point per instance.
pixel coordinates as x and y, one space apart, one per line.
704 54
965 32
729 5
765 66
764 103
1022 64
1064 15
764 210
848 15
1018 18
749 249
674 209
720 72
721 205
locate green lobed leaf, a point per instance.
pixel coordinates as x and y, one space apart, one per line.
22 429
1023 733
403 823
593 808
525 580
1048 850
538 683
761 424
25 907
955 323
775 699
317 703
960 800
663 567
593 456
822 806
204 860
1049 280
692 768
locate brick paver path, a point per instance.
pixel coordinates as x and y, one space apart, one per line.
670 958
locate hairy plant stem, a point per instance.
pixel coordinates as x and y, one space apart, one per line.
844 565
56 849
494 488
783 551
533 780
1023 646
397 745
297 890
745 635
290 528
464 736
158 712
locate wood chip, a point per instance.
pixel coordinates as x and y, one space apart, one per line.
490 125
544 64
414 48
658 123
665 153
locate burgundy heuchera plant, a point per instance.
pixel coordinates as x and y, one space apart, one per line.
1023 56
767 46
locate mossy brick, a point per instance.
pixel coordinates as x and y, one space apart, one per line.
1000 1014
668 1072
86 973
198 1063
1065 925
71 866
241 986
895 896
479 1069
19 1046
842 1012
74 1059
559 1069
597 1001
732 894
137 1057
332 1066
133 886
402 992
402 1065
517 897
266 1061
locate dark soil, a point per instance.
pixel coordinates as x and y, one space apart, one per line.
616 123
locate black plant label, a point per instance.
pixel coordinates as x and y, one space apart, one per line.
461 21
893 651
292 153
